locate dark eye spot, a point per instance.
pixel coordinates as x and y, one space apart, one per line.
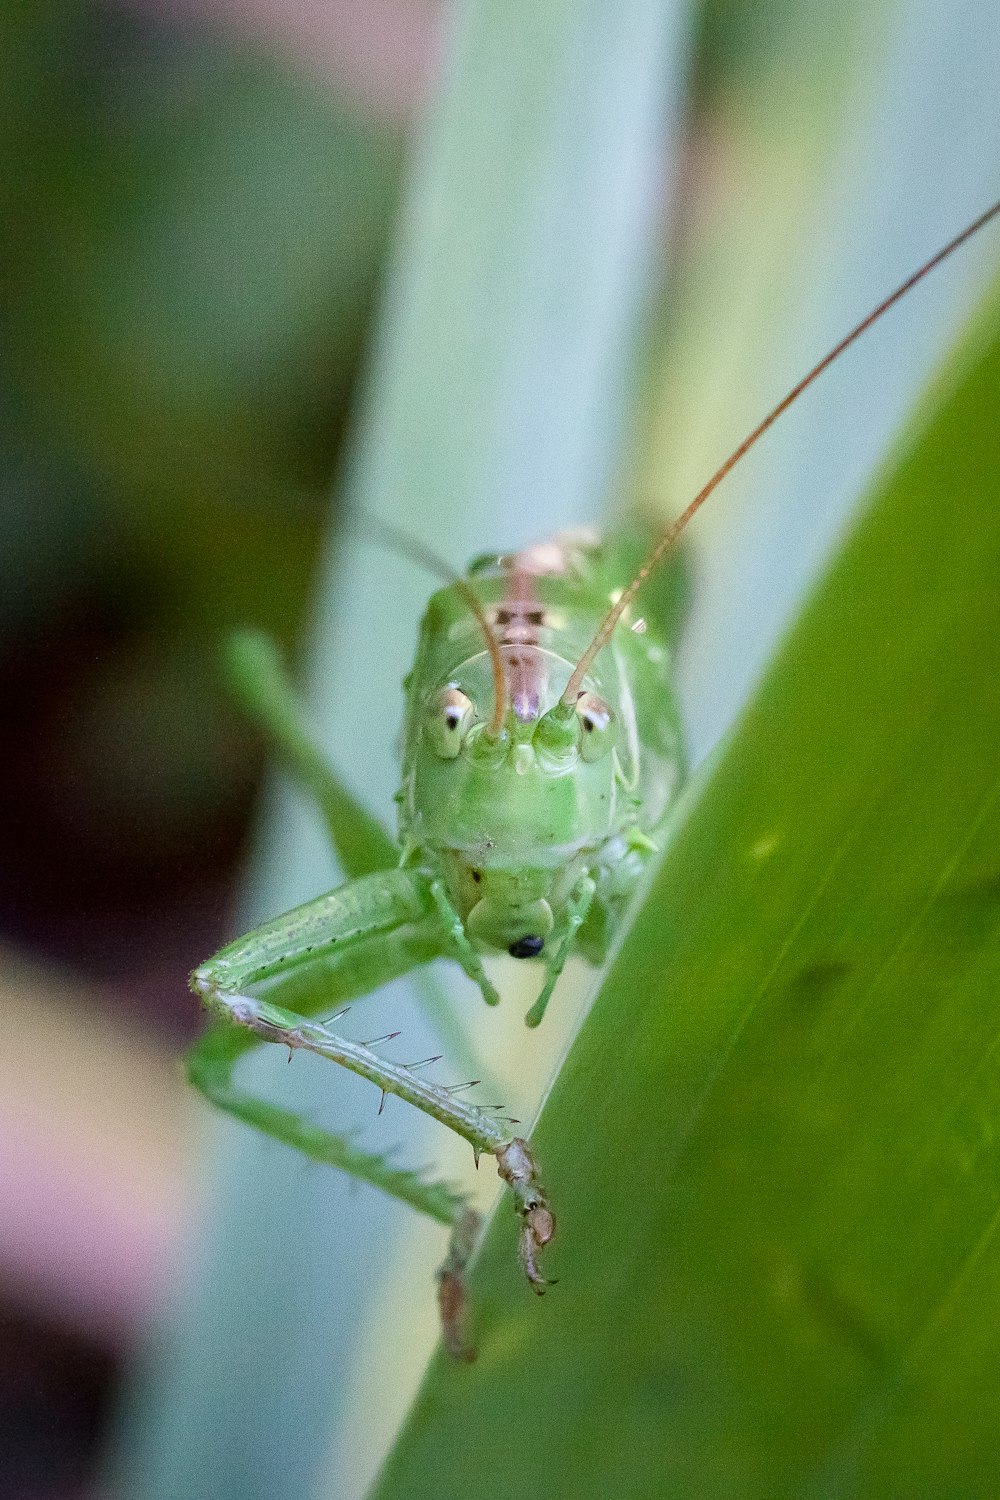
503 617
526 947
477 875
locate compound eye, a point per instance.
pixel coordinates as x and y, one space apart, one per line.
597 726
448 721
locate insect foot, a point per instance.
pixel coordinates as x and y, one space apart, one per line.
516 1166
452 1300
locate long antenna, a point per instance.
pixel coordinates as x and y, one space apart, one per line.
671 535
404 542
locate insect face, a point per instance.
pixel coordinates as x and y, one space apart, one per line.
544 787
512 820
458 717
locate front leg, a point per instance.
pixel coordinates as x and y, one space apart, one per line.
316 958
577 907
332 949
461 949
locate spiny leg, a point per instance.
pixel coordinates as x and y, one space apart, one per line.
330 950
349 968
210 1065
484 1132
272 1023
322 980
577 907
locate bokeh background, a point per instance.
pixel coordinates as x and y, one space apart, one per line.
196 202
201 205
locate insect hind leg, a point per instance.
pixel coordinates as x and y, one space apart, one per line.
258 680
335 948
325 953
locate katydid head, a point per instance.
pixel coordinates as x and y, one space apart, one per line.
511 818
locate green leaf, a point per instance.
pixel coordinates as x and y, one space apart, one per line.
772 1150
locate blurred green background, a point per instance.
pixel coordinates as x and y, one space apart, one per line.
194 212
497 269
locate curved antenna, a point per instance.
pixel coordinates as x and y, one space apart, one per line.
671 535
398 539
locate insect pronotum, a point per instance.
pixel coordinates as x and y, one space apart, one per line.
541 753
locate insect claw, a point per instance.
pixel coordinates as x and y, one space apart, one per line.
516 1166
381 1102
539 1227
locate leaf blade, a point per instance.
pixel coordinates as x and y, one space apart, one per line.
775 1203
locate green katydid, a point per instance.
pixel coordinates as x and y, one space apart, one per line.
541 753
